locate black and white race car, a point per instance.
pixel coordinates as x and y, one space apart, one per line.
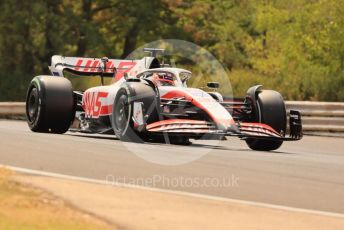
147 102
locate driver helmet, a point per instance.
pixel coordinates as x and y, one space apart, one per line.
163 79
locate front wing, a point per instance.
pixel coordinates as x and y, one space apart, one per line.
187 127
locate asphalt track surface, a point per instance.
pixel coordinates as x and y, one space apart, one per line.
308 174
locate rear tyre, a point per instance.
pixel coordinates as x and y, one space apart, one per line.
271 111
122 115
49 104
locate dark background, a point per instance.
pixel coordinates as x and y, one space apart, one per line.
295 46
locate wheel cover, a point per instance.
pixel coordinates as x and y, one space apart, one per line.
121 113
33 105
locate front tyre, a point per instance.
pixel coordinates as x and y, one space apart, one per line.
49 104
123 110
270 110
121 122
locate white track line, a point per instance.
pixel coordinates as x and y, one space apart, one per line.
174 192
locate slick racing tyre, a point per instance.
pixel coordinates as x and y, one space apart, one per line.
50 104
122 120
271 111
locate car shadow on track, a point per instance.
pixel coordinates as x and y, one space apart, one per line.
278 152
95 136
192 145
197 145
108 137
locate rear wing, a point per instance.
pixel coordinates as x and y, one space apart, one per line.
100 66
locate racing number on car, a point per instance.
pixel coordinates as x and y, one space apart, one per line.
92 103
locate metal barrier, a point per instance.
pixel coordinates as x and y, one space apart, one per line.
12 110
320 117
317 117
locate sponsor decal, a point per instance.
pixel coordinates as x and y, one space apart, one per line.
92 66
138 114
124 67
93 104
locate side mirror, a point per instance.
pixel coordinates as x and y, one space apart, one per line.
213 85
126 76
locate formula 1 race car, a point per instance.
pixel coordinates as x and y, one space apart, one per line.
150 102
